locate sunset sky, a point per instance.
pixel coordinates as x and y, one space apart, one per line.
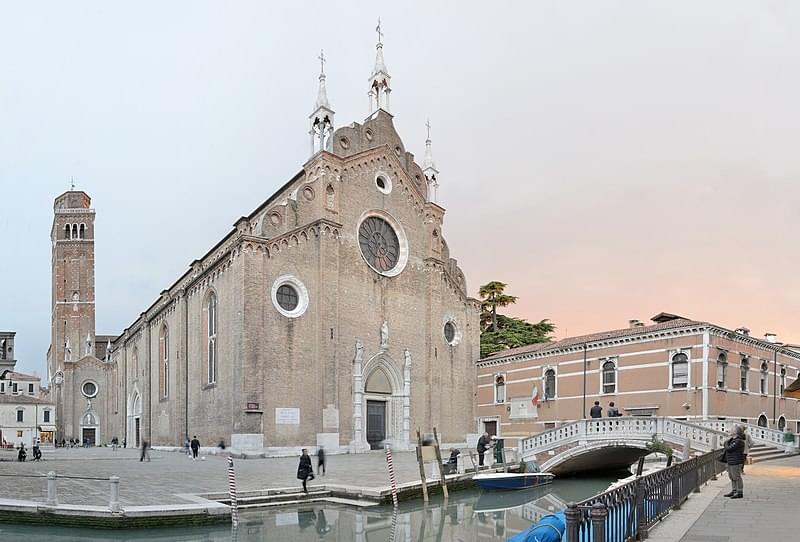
609 160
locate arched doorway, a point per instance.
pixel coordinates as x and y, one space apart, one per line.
762 421
385 403
134 431
90 428
781 423
378 392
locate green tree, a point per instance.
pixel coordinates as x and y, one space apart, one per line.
500 332
493 295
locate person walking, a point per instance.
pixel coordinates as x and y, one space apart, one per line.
305 471
484 443
321 461
734 457
596 411
186 449
613 411
195 446
145 451
748 443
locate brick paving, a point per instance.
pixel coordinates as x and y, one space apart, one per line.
172 473
767 511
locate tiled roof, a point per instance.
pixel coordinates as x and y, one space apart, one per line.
8 398
13 375
593 337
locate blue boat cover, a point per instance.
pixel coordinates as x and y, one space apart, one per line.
549 529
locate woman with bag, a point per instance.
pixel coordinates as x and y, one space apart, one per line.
305 471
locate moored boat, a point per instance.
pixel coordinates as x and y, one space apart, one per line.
512 480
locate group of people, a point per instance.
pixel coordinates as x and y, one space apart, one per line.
597 411
22 453
305 470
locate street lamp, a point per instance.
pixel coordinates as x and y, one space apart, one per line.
58 380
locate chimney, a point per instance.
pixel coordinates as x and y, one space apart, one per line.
633 323
770 338
743 331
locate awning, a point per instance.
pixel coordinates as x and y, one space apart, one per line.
47 428
793 390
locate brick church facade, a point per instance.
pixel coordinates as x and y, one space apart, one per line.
332 314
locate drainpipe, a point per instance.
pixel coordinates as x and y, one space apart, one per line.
775 389
583 412
706 341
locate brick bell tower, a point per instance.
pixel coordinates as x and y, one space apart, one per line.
73 303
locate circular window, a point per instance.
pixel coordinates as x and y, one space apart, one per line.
89 388
289 296
344 142
308 193
383 183
275 219
383 245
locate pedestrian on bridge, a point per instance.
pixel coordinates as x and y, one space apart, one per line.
613 411
734 456
596 411
484 443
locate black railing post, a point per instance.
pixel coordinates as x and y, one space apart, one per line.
641 519
573 515
599 513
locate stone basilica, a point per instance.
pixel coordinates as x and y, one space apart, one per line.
332 314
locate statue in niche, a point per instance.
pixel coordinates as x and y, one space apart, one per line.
359 351
385 335
88 344
407 357
67 351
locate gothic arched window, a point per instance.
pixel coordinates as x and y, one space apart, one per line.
67 231
550 384
680 370
722 370
211 352
163 375
744 368
609 377
764 378
74 231
82 232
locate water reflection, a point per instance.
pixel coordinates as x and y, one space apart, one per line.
467 516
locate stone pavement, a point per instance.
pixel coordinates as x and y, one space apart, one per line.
767 511
170 474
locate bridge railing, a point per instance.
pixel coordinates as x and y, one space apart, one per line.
640 428
628 511
761 435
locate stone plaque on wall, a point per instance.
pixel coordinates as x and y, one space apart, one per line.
330 417
287 416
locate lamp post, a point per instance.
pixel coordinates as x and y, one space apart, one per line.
58 380
773 339
583 411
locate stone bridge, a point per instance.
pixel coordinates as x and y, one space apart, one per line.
609 443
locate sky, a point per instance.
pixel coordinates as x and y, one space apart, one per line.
609 160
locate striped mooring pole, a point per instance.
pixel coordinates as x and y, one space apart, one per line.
232 492
392 479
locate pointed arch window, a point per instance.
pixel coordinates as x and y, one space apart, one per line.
550 384
74 231
609 377
680 370
744 369
763 386
163 375
722 370
82 231
212 338
67 231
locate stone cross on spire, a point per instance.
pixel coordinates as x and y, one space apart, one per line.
72 183
321 58
378 30
321 119
380 80
429 168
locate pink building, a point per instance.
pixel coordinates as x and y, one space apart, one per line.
675 367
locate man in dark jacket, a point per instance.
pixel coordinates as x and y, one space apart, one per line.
734 457
596 411
195 446
304 470
484 443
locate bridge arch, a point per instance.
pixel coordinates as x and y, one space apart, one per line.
605 455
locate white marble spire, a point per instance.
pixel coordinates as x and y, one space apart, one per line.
321 120
380 80
429 168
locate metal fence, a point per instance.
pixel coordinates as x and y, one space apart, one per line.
628 511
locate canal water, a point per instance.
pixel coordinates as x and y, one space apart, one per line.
467 516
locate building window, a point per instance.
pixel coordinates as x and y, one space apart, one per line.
74 231
67 234
30 389
762 421
2 387
744 369
212 338
781 423
379 244
14 387
549 384
764 380
609 377
451 334
783 379
20 415
46 416
19 434
287 297
164 369
722 370
82 232
680 370
500 389
89 389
